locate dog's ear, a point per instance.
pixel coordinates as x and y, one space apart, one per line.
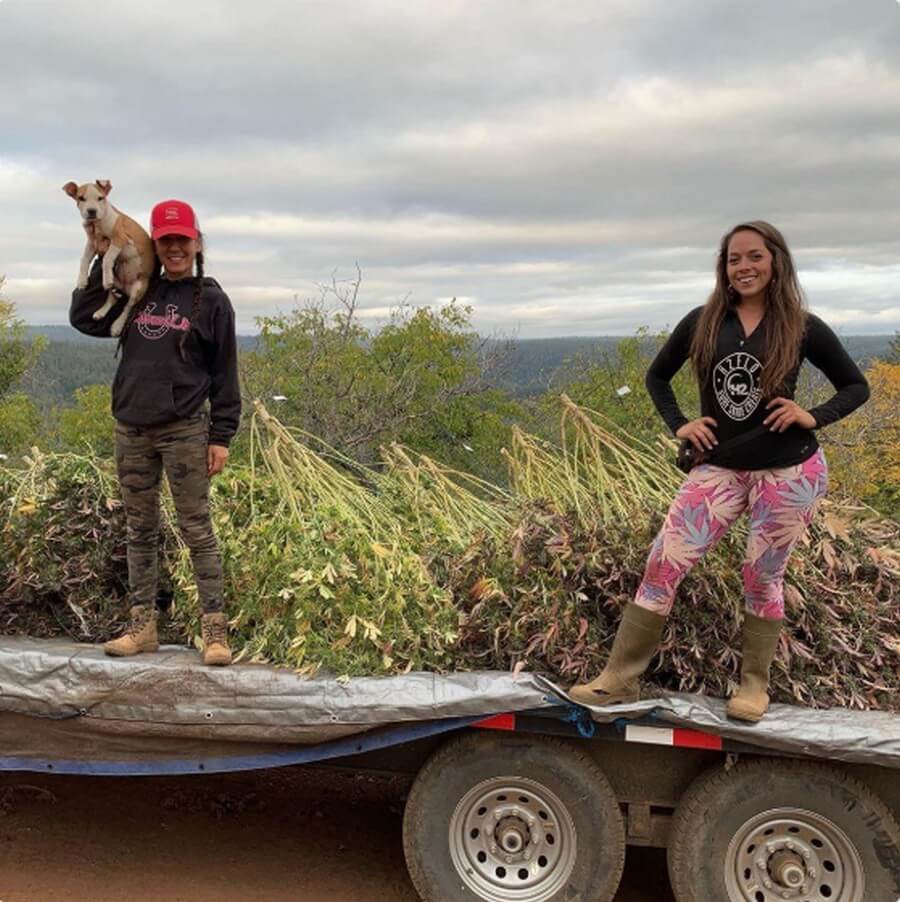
104 185
70 188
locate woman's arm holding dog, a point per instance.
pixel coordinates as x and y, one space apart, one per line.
85 301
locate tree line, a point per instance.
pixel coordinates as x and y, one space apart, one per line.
424 379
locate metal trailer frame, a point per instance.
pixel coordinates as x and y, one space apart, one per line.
652 757
649 738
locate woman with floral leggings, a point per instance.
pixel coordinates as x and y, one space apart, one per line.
758 450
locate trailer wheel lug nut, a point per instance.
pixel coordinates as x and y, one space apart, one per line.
761 863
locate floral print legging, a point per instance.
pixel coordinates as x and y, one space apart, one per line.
781 503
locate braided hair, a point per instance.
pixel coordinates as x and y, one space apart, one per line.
197 303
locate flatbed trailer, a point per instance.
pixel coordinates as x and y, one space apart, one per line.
516 793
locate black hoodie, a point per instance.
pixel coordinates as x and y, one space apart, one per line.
153 385
732 395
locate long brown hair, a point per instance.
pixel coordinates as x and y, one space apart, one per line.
785 320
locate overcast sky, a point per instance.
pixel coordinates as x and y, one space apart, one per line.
567 167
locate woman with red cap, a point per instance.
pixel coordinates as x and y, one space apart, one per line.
176 402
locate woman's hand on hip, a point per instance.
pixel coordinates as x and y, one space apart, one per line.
216 455
786 412
700 433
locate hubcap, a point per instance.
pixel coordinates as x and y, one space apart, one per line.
512 840
789 853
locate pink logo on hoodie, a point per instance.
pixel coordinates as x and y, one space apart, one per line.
153 327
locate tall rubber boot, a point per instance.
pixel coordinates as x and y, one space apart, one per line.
751 701
214 631
634 646
140 635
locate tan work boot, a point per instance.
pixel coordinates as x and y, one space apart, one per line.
140 635
751 701
214 630
635 643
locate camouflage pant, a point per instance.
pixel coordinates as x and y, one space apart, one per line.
179 448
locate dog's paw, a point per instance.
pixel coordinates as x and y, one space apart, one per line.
81 284
109 283
116 328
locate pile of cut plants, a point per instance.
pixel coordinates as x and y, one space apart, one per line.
334 567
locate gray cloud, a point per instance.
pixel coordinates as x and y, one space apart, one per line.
567 168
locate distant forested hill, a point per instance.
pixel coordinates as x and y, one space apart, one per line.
64 366
531 364
72 360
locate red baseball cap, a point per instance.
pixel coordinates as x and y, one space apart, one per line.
173 217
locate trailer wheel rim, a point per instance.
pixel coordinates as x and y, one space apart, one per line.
512 840
791 853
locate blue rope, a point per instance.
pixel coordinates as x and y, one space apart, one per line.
582 719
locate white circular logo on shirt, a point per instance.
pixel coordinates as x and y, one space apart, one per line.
736 384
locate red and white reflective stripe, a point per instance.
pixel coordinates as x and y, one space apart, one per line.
684 739
497 722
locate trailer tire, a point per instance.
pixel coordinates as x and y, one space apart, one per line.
484 800
778 829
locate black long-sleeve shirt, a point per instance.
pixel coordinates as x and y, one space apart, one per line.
732 395
153 385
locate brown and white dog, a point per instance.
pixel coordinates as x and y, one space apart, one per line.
130 259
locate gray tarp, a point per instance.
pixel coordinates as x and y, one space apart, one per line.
171 696
863 737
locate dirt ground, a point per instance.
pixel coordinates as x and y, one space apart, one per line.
272 836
